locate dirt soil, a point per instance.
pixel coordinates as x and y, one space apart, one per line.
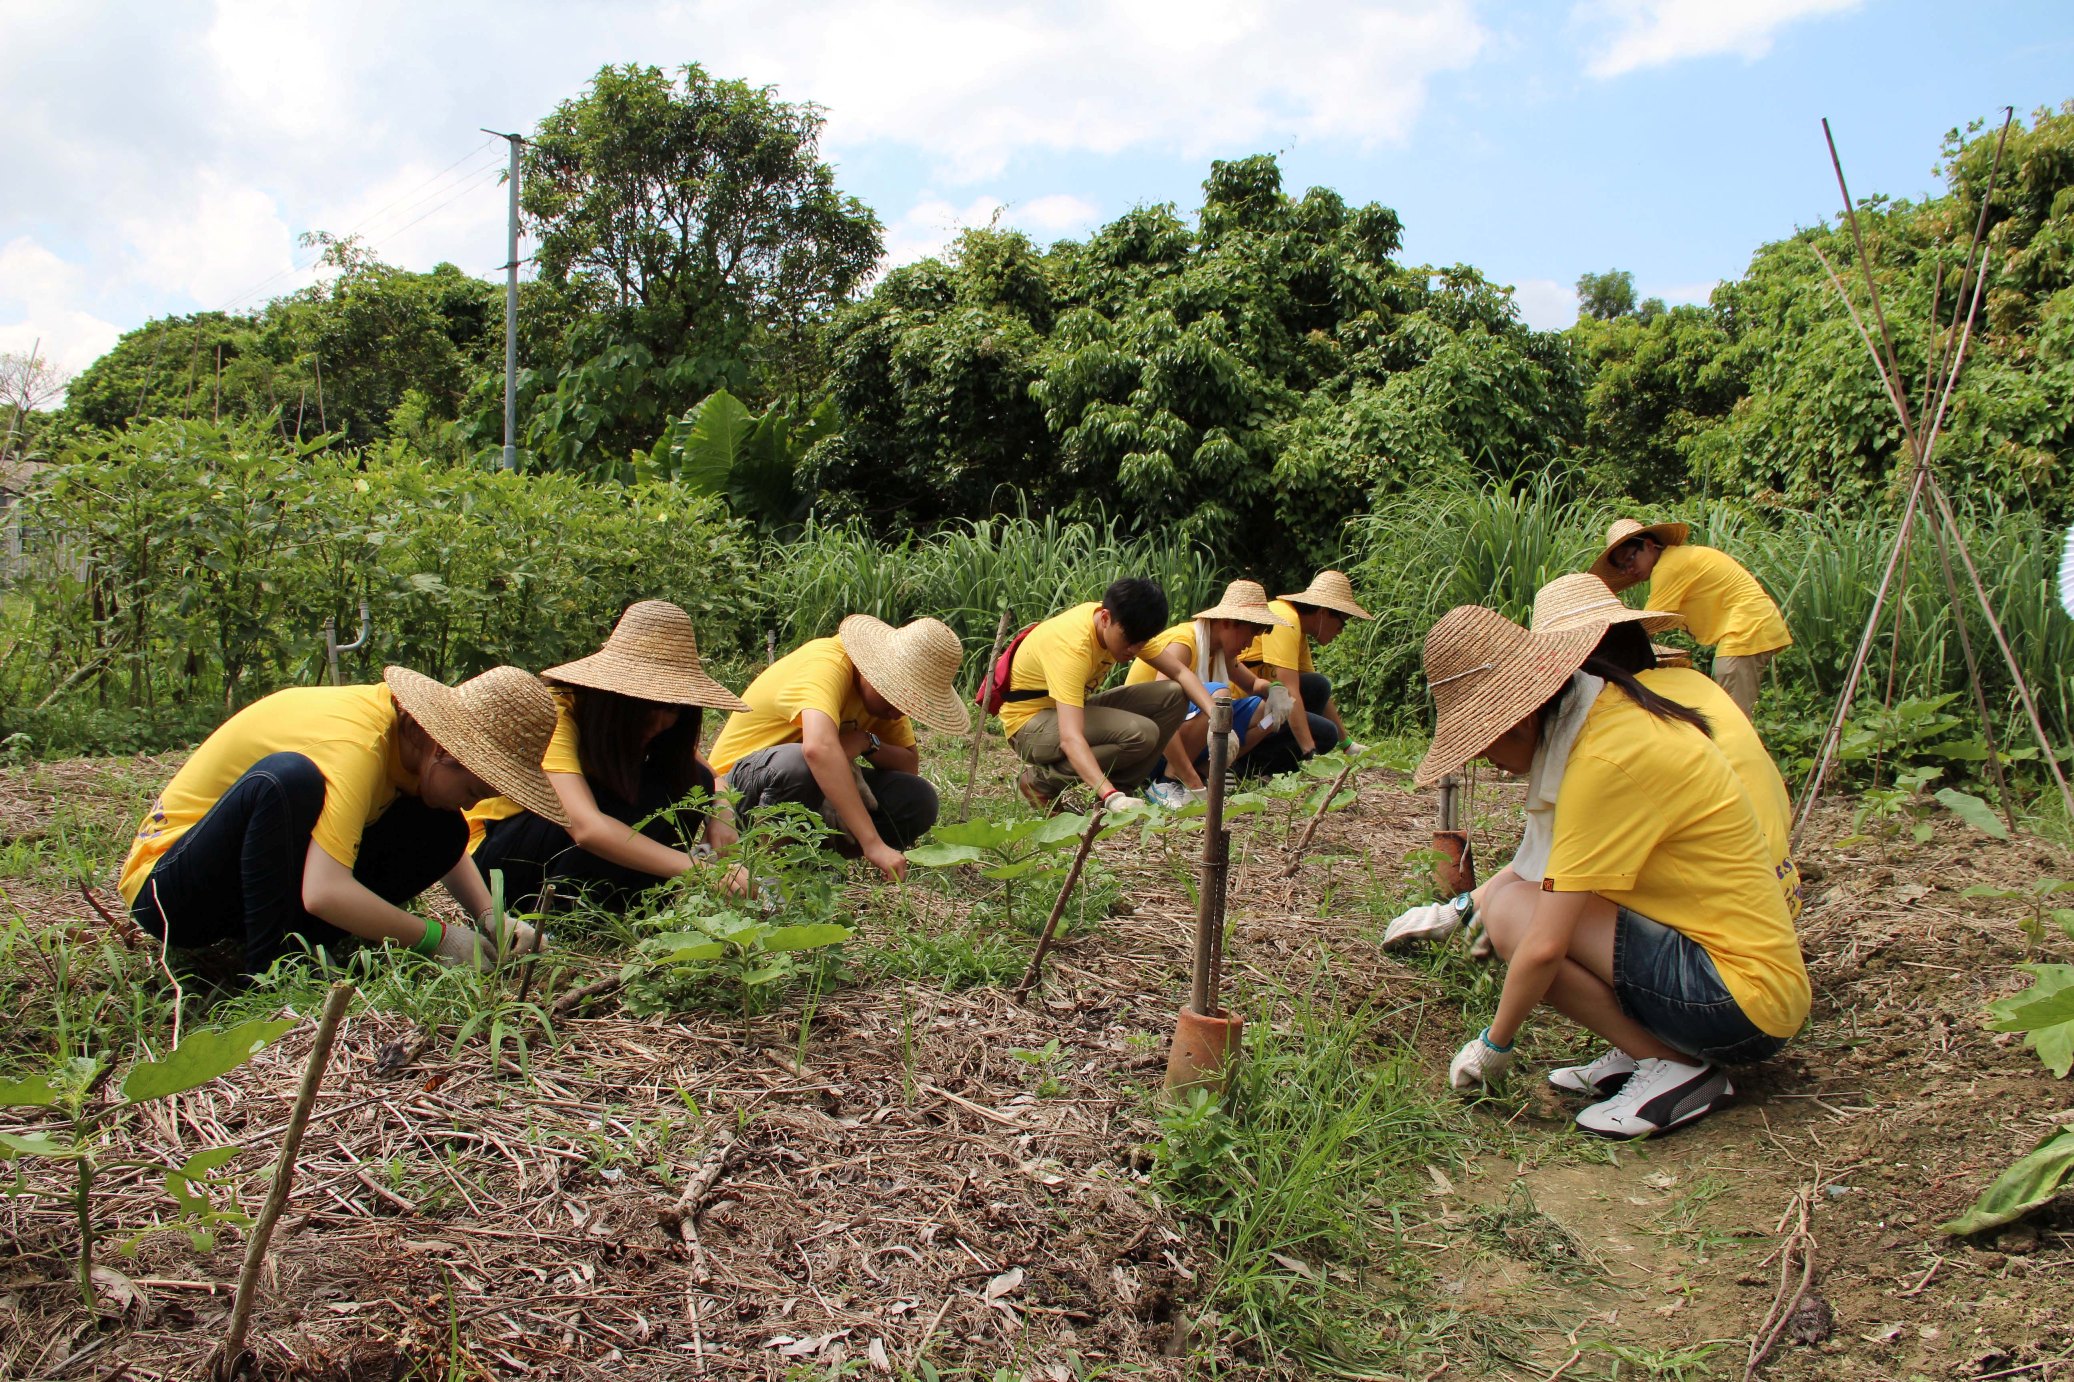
891 1181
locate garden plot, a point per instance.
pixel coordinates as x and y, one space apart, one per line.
906 1173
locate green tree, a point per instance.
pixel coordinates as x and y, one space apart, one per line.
692 239
1605 296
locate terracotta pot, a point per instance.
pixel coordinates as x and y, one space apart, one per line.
1456 874
1205 1051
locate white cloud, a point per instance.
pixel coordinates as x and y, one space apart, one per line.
1650 33
928 227
37 290
1057 215
1545 304
1676 293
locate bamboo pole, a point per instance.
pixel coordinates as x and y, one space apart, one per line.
1058 907
979 721
1216 865
284 1178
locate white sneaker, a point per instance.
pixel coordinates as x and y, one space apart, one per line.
1168 794
1659 1096
1601 1079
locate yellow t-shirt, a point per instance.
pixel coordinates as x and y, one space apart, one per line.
1063 658
1651 817
816 675
1280 646
1722 603
561 757
1752 762
1142 669
347 731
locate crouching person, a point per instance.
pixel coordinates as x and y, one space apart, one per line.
1658 922
1065 728
827 726
1282 654
625 749
319 811
1208 645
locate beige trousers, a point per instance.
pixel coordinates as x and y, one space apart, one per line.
1740 677
1127 729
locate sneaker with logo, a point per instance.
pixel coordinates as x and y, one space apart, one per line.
1168 794
1659 1096
1601 1079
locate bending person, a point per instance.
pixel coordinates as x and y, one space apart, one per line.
827 726
1723 604
1658 923
320 811
625 750
1283 654
1209 645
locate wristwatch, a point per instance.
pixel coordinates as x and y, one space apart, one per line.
871 744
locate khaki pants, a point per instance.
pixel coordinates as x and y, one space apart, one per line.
1740 677
1127 728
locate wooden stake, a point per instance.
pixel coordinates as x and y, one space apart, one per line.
1216 866
1304 841
1058 908
979 721
284 1178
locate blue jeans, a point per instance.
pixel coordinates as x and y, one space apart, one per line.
532 851
237 872
1279 752
1666 981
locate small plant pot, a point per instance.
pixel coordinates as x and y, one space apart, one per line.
1455 873
1205 1051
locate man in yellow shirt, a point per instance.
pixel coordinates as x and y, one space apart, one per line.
828 727
1067 729
1283 654
1722 602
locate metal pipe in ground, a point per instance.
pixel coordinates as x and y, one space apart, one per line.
1206 1038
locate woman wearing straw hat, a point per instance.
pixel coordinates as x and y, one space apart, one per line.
1722 602
319 811
1316 614
827 726
1658 922
1209 644
625 749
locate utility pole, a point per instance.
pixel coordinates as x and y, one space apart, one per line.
511 268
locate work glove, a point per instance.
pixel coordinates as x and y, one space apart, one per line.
1280 703
1120 802
1436 921
519 937
464 945
1479 1064
1354 749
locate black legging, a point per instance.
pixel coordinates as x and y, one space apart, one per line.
238 871
533 851
1279 752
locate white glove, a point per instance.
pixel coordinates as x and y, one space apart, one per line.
464 945
1280 703
871 803
1120 802
1354 748
519 937
1479 1063
1436 921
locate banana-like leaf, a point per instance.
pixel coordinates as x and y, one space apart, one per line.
712 443
978 833
200 1058
1972 810
2032 1181
944 856
805 937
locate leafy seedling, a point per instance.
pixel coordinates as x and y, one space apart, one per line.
2044 1013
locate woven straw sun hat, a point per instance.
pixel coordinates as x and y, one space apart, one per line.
1487 674
1582 600
1245 601
914 666
1669 534
497 725
650 656
1330 590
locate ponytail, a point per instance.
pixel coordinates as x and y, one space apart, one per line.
1662 707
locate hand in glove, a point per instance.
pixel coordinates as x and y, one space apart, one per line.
1354 748
464 945
1280 703
1480 1063
1120 802
519 938
1436 921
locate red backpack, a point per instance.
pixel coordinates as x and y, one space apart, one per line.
993 687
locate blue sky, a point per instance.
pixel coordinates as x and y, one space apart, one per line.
164 159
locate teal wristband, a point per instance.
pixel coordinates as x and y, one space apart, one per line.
1485 1037
428 944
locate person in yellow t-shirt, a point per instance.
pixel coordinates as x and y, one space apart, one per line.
827 726
1658 922
1316 614
318 811
1722 602
625 748
1065 728
1210 643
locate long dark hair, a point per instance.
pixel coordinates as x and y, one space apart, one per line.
1627 647
608 744
1662 707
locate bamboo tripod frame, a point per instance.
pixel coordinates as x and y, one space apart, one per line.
1941 373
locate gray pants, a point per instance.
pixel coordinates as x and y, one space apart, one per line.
1741 677
907 803
1127 728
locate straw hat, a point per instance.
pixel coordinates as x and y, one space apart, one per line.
1330 590
915 667
1487 674
496 724
1669 534
1245 601
1582 600
650 656
1672 657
